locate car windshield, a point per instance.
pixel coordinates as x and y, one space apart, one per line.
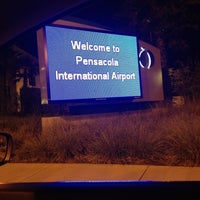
101 94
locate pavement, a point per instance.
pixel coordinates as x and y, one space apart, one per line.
57 172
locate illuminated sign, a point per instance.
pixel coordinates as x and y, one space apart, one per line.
83 64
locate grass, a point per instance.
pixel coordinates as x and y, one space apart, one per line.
161 135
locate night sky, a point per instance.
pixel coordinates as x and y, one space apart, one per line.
114 14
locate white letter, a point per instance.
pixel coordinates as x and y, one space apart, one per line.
75 44
78 59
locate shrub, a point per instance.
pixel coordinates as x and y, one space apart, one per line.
161 135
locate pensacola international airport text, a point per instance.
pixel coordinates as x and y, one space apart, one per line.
94 76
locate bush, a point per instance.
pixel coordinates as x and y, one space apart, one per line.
161 135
